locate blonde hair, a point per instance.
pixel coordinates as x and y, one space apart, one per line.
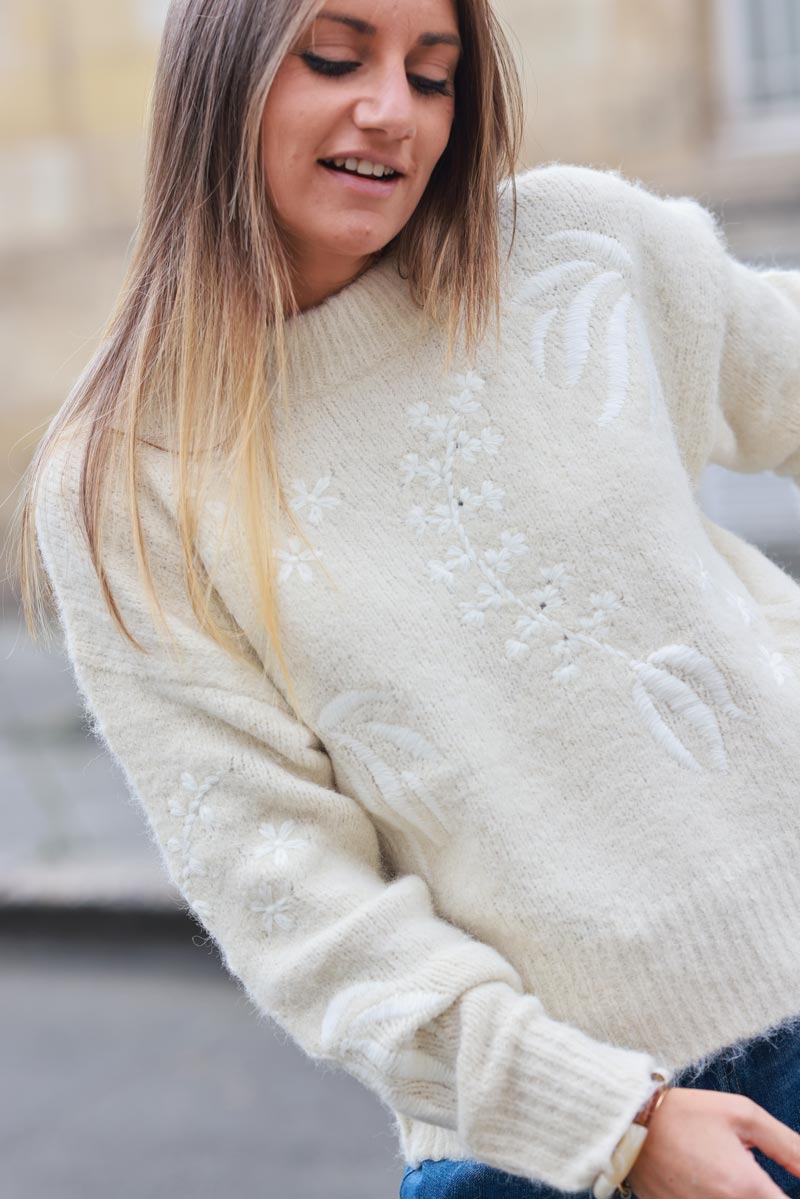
209 274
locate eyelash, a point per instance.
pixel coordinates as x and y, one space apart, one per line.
330 66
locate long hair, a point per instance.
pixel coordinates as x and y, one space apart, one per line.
201 311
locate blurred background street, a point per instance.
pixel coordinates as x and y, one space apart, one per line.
132 1064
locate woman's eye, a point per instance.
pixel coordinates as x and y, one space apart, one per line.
331 66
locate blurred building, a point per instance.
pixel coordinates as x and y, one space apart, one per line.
699 95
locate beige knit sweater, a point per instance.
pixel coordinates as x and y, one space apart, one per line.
537 832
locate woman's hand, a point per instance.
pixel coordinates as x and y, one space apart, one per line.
698 1147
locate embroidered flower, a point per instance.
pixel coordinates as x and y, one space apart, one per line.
473 611
565 648
197 806
272 905
547 597
296 557
410 467
516 649
676 689
440 572
277 844
457 559
603 604
741 606
558 574
776 663
528 626
442 519
491 440
315 500
417 415
193 811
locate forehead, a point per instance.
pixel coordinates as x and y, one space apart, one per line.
433 21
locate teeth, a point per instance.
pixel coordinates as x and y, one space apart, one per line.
362 166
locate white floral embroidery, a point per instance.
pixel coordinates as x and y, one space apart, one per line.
297 557
272 904
293 554
190 811
777 665
277 844
597 253
402 787
666 687
315 500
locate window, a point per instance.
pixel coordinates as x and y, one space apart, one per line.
759 50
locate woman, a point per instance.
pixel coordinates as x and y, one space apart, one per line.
502 818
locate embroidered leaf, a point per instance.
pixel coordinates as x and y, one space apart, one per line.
410 1064
343 706
661 731
702 670
395 791
655 389
365 1004
408 740
602 247
617 361
541 327
664 690
577 322
544 282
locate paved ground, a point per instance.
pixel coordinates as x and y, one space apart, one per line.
137 1069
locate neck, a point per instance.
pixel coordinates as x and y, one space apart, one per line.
315 280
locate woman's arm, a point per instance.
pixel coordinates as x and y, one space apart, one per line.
737 330
285 872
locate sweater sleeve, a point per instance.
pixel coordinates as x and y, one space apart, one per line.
757 425
734 329
284 870
725 333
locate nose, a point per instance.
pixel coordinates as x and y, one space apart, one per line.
387 104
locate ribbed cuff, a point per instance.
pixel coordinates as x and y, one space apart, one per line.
540 1098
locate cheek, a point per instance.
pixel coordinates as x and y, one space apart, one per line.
441 128
287 130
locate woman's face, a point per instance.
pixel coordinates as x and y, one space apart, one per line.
387 97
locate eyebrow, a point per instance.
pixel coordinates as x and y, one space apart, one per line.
360 26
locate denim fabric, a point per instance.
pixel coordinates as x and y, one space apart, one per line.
766 1070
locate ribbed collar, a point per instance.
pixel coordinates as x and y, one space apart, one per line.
347 334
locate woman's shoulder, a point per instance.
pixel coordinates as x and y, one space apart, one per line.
565 200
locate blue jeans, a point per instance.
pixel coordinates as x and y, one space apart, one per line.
765 1070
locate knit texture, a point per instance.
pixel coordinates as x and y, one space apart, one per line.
536 835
